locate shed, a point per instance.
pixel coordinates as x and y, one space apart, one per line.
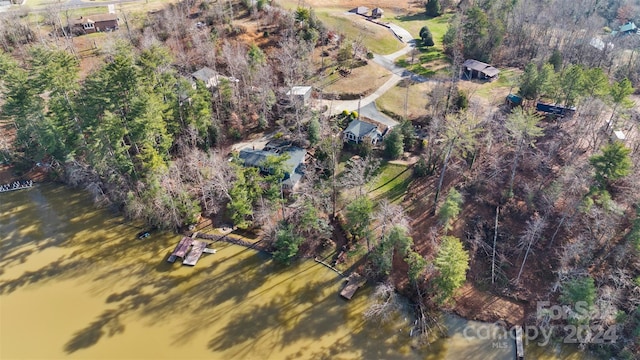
513 100
599 44
377 13
628 28
300 94
479 70
618 136
360 10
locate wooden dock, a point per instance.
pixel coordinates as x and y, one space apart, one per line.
354 282
181 249
16 185
196 251
519 344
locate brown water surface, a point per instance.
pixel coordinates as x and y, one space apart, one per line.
76 283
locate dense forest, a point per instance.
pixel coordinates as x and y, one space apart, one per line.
529 207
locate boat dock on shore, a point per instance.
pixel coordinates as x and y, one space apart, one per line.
181 249
354 282
16 185
519 343
197 248
190 250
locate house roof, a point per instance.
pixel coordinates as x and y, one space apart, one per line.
299 90
292 166
205 74
481 67
619 135
360 10
361 128
88 19
630 26
377 11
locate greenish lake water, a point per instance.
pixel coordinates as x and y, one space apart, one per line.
76 283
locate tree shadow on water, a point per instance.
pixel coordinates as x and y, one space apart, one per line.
108 323
247 326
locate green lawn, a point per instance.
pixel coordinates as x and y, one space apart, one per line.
507 79
413 23
38 3
393 100
391 183
431 60
376 38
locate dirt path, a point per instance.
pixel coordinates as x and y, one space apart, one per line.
474 304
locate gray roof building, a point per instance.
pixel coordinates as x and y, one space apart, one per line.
300 94
210 77
358 130
478 69
360 10
293 167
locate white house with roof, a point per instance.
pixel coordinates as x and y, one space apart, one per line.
358 131
210 77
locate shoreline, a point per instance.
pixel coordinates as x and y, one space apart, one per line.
471 303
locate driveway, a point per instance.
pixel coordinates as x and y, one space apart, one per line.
337 106
258 142
367 104
371 111
400 32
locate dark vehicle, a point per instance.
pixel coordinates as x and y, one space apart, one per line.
555 109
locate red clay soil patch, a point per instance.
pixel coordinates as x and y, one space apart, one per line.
474 304
6 174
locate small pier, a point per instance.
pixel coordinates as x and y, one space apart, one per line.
181 249
354 282
329 266
16 185
196 251
190 250
519 344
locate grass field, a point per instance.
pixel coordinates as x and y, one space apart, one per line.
413 23
492 93
393 100
391 183
362 80
507 79
334 14
376 38
431 60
